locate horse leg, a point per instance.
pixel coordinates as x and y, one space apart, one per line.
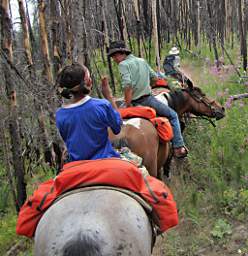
163 154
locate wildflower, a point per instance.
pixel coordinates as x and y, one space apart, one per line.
241 104
229 102
220 94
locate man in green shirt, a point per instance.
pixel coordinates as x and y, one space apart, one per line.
136 76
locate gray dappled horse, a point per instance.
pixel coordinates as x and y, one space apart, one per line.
98 222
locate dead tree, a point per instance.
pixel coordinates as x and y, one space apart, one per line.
107 42
55 24
155 32
7 54
242 33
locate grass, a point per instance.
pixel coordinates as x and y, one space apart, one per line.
8 236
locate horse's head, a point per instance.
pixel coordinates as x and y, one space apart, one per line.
202 105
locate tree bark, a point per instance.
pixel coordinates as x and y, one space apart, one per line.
107 41
155 32
44 41
56 51
26 40
242 33
6 45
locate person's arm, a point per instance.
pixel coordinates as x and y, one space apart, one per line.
126 83
107 92
153 75
128 94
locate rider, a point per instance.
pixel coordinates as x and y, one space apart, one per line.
83 122
135 79
171 67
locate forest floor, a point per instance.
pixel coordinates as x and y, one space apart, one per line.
193 236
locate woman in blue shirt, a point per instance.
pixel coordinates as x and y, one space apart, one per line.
83 122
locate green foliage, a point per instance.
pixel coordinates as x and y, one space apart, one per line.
4 197
221 229
4 192
235 203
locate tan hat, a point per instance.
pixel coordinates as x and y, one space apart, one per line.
117 46
174 51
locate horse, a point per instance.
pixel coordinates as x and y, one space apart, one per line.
141 136
113 225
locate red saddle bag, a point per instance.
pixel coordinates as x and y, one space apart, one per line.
110 171
164 128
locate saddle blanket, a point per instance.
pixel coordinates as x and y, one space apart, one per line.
111 172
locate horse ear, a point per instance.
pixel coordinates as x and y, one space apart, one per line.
190 83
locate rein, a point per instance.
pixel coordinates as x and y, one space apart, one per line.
204 118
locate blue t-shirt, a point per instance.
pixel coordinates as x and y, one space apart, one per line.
84 128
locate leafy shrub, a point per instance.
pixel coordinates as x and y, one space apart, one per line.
4 197
221 229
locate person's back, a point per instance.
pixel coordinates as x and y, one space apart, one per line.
138 75
83 123
83 127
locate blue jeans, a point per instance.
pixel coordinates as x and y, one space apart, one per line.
165 111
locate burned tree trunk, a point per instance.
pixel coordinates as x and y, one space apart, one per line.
56 52
6 45
155 32
242 34
212 33
138 27
48 148
107 41
26 40
44 41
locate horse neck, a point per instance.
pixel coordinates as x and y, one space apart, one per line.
178 101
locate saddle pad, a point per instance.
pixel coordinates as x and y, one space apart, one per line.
139 111
164 128
111 172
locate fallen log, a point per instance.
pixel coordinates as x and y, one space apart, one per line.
239 96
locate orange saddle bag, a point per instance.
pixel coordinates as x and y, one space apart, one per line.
164 128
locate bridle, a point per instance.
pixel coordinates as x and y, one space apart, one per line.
202 99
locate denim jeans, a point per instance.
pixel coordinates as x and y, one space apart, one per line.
165 111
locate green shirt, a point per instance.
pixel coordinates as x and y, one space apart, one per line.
136 72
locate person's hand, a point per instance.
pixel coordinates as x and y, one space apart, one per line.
106 90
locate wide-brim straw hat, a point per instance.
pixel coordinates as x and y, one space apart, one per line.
117 46
174 51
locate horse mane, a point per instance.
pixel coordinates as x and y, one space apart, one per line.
176 99
82 245
197 89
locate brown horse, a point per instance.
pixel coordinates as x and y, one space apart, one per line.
141 136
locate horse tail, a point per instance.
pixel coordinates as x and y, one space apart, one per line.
82 245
